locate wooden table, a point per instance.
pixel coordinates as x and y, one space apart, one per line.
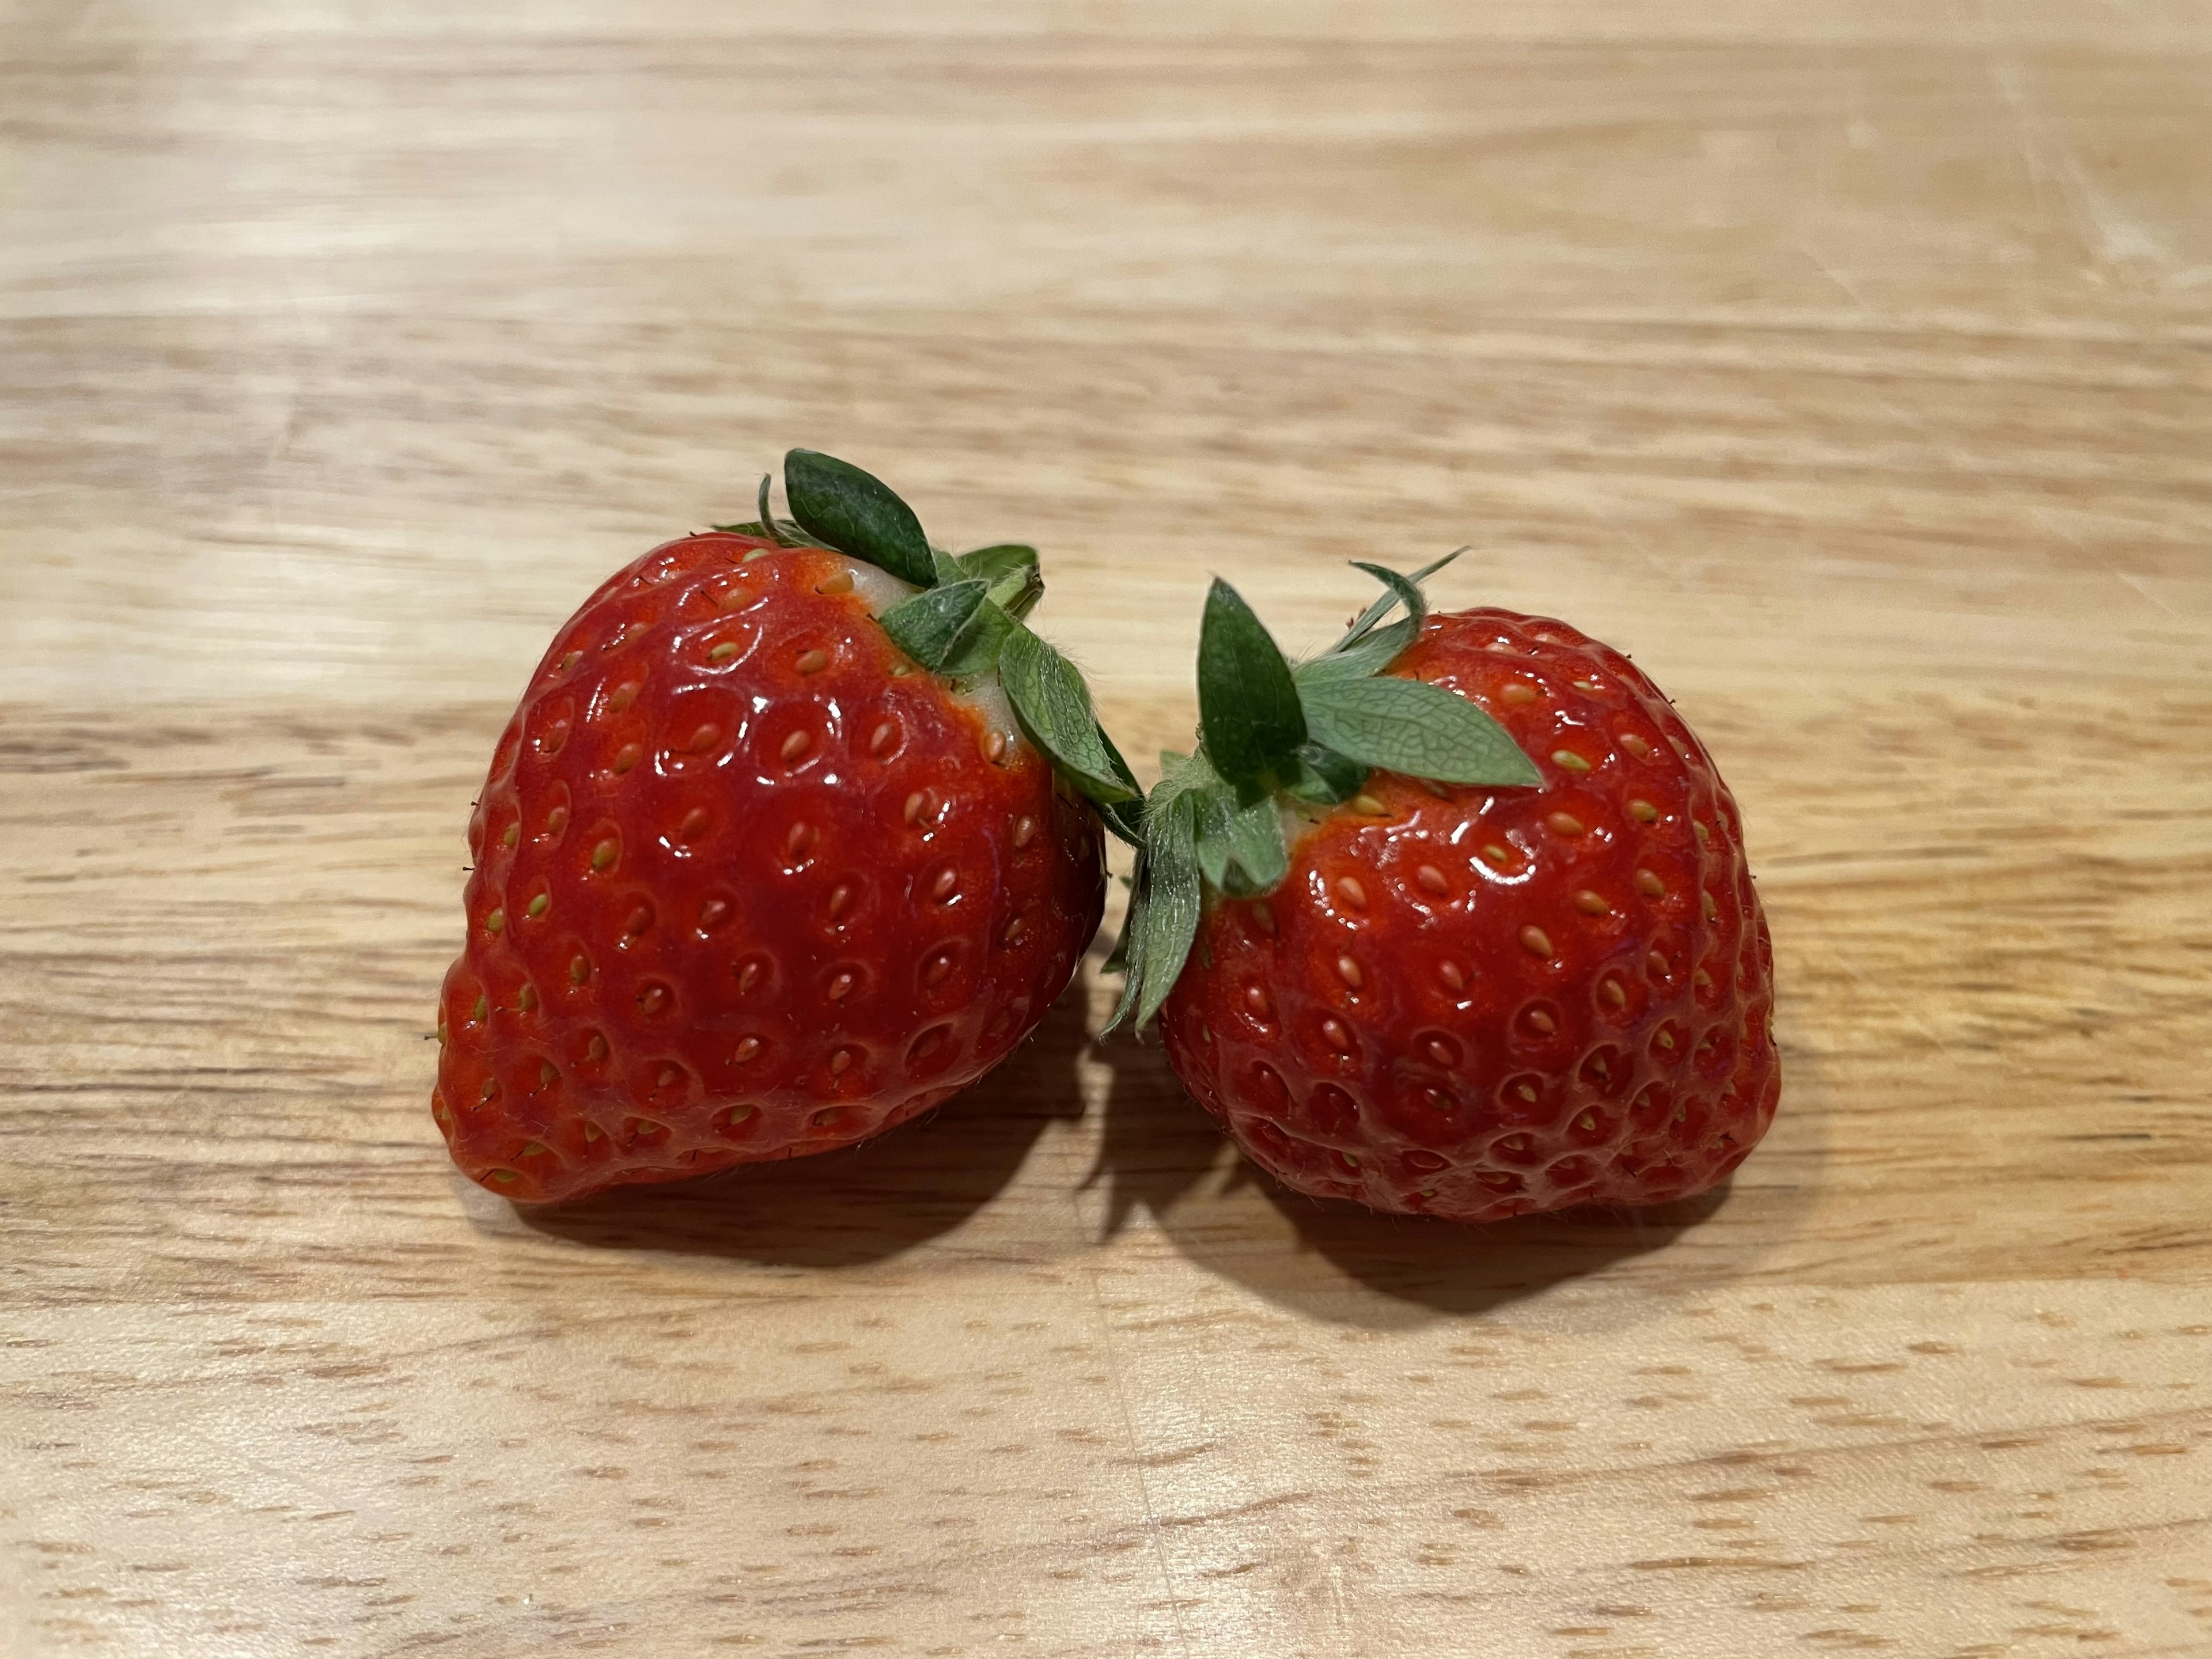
1849 364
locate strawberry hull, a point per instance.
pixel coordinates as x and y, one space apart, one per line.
748 885
1480 1003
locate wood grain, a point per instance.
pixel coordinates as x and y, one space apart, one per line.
1846 363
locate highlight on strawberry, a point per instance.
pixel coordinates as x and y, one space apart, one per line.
795 832
1453 918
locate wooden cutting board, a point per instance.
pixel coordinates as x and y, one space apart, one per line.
1847 363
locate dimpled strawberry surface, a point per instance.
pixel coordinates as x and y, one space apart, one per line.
1477 1003
747 884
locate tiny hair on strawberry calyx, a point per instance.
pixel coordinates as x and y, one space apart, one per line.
965 622
1279 746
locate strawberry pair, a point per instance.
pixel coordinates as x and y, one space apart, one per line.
797 831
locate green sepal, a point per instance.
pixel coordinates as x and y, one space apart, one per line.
1325 777
1125 819
1406 590
782 531
1420 730
1011 568
1395 585
929 626
1168 895
1180 775
976 649
856 512
1247 703
1054 707
994 561
1366 648
1241 849
786 533
768 524
1168 889
1172 902
1398 588
1372 655
1131 945
1215 807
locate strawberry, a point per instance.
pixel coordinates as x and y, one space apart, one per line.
1465 982
794 834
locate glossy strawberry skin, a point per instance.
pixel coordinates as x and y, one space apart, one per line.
747 886
1479 1004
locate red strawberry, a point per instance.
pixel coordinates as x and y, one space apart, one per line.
1552 990
751 881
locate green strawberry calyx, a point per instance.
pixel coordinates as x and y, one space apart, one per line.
966 620
1278 742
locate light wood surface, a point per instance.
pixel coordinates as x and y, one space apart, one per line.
1848 364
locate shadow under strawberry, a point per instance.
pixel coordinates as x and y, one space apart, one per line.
861 1203
1342 1261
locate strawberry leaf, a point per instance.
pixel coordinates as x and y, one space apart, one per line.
1420 730
770 528
1325 777
1215 807
1167 889
1173 893
1130 948
1247 703
1416 607
1054 707
1240 848
1371 655
995 560
1368 649
929 626
1017 583
782 531
785 532
857 513
1179 774
1405 590
1126 819
975 649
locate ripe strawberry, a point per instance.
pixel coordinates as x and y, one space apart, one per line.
768 859
1554 989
